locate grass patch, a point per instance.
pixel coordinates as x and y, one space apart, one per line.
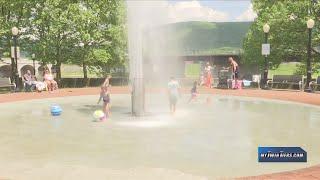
284 69
74 71
287 69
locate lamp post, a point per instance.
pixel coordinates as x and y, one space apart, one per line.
266 29
33 56
310 24
1 53
81 44
15 32
84 66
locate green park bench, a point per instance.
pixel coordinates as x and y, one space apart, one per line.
286 82
314 85
6 83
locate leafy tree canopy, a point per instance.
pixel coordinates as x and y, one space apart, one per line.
85 32
288 33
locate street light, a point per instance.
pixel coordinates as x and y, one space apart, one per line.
33 56
1 49
81 44
266 29
310 24
15 32
84 67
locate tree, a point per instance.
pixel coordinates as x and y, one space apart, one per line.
51 31
54 29
13 13
288 30
104 38
58 33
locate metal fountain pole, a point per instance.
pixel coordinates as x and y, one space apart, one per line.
136 71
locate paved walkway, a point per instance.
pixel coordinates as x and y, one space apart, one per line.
294 96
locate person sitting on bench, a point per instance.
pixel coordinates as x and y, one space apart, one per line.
49 80
29 81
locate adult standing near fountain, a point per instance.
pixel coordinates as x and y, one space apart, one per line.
29 81
173 92
235 70
208 75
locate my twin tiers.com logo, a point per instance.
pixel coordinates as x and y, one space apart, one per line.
281 154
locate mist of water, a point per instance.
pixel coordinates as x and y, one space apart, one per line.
149 51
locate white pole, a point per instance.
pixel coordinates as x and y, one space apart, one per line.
136 62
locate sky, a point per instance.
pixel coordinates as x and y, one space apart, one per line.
149 13
233 8
213 10
208 10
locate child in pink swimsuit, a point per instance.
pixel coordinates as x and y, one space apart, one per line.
105 96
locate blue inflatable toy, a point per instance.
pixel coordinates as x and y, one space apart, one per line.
56 110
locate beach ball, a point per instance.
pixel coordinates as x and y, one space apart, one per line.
55 110
98 114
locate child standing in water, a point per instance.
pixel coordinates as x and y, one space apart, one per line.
105 96
107 81
194 92
173 92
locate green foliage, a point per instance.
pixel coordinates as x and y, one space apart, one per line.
13 13
103 34
286 68
302 70
288 34
54 29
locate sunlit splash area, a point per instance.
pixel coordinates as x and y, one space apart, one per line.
201 141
